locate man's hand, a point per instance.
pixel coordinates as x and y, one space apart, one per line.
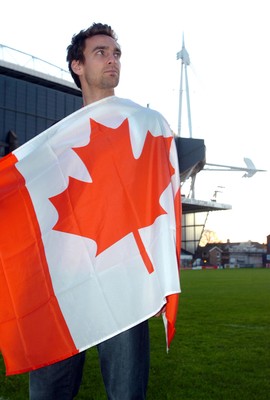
161 311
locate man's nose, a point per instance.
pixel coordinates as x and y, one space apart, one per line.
111 59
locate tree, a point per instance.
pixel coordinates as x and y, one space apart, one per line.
208 236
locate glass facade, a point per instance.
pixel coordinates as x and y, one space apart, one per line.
192 229
27 107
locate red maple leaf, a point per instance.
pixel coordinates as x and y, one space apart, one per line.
124 193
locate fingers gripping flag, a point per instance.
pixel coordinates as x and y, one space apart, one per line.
90 233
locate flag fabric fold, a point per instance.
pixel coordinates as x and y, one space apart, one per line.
90 233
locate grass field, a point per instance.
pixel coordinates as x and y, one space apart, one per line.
221 350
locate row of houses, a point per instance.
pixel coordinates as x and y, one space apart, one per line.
230 255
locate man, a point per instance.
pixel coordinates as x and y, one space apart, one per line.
94 62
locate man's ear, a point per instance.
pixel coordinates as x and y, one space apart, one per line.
76 67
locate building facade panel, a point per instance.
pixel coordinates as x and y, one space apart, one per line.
27 107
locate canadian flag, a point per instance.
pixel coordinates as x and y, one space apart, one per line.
89 234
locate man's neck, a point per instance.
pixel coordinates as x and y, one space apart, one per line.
89 98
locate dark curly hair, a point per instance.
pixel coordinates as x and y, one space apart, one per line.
76 48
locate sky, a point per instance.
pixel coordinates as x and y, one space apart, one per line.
228 75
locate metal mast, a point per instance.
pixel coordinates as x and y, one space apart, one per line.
184 56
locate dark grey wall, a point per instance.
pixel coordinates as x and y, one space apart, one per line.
28 108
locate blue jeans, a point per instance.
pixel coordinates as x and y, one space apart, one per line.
124 362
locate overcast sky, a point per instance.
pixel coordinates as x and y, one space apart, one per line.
227 41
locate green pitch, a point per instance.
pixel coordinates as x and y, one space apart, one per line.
221 350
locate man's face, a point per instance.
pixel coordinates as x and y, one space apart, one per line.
101 68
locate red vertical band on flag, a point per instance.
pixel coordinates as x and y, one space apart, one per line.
31 323
178 222
173 300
